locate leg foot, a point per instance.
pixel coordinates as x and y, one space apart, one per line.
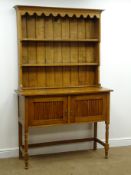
106 156
26 165
106 151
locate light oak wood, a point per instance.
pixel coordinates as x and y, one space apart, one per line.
95 135
59 67
20 139
63 91
59 64
59 142
59 40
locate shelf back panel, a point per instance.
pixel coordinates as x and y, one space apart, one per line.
50 27
57 77
59 52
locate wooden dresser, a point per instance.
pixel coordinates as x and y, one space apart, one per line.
59 61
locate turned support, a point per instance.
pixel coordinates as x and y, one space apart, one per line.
95 136
26 148
20 139
106 140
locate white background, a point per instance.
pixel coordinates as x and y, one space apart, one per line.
115 74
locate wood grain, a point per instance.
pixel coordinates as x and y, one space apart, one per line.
59 59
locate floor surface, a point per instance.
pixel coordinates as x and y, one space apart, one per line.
75 163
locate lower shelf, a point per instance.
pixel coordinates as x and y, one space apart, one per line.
60 142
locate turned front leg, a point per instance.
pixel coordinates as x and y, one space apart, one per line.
26 148
106 140
95 136
20 139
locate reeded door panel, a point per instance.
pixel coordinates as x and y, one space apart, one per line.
47 110
88 108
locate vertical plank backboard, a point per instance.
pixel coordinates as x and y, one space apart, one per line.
49 51
57 31
31 33
24 26
90 30
75 29
41 77
32 77
81 28
24 45
66 51
90 75
25 77
81 35
90 53
40 57
74 50
40 35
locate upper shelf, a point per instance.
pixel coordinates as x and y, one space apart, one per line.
60 64
59 40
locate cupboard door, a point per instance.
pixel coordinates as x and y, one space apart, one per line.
89 108
47 110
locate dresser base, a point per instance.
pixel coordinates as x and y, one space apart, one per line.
23 149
